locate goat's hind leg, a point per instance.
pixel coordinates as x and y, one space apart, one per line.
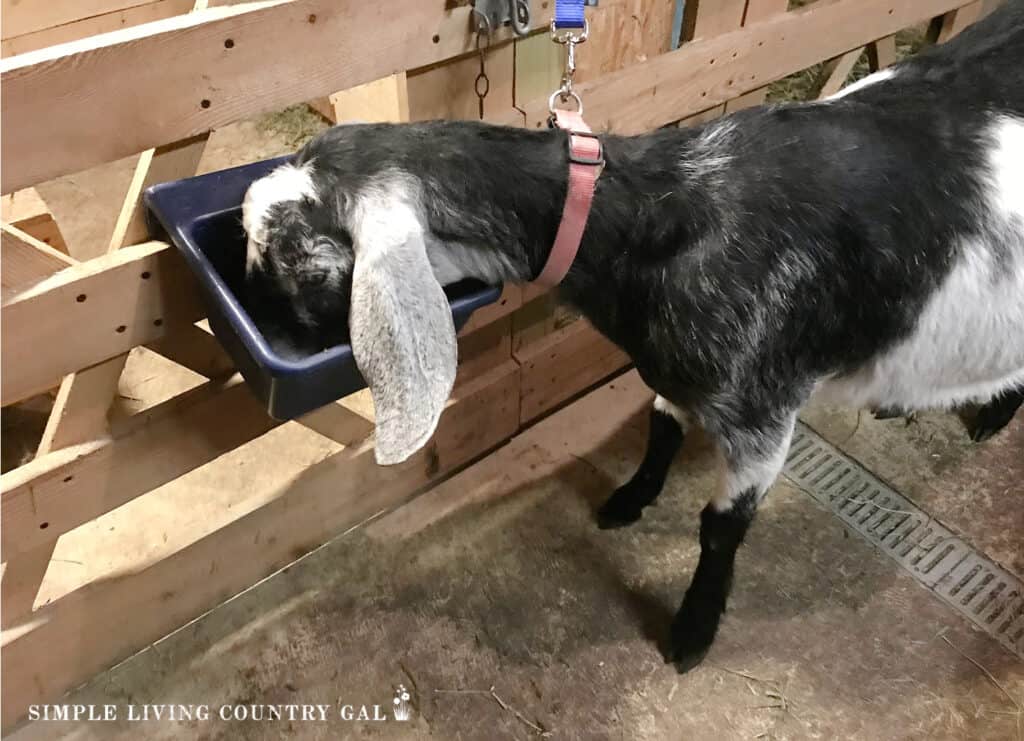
753 459
626 505
996 414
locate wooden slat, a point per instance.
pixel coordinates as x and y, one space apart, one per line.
22 16
757 11
176 78
882 53
838 71
27 211
195 349
49 332
685 81
955 22
385 100
92 26
26 260
55 493
47 656
563 364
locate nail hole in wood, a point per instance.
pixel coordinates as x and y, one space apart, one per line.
158 322
204 103
229 43
43 525
121 329
312 18
146 275
436 38
712 61
80 298
69 479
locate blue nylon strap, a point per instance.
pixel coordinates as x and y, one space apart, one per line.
569 14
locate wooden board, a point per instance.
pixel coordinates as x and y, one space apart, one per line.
563 364
131 297
59 491
179 77
26 261
704 73
46 656
27 211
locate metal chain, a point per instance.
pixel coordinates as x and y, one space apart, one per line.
482 84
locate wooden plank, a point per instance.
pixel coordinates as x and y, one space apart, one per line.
511 298
26 260
27 211
757 11
160 165
385 100
177 78
955 22
679 83
484 349
839 71
47 656
21 17
882 53
195 349
562 365
91 312
706 19
55 493
92 26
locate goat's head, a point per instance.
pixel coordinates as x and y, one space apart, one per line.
323 252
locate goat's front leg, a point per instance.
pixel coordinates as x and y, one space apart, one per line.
626 505
753 459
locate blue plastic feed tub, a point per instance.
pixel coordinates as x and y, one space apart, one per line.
202 217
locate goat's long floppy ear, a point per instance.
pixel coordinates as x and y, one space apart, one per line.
402 333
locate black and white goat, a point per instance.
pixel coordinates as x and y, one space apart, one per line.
870 247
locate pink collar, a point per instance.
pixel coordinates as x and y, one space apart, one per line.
586 161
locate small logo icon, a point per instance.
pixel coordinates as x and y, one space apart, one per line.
401 708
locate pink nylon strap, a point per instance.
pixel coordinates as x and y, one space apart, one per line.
585 167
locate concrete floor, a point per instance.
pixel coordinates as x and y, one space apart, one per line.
500 579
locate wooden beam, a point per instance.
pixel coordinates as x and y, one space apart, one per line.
59 491
707 19
838 71
882 53
757 11
27 211
180 77
91 312
563 364
47 656
92 26
956 21
26 260
704 73
196 349
382 101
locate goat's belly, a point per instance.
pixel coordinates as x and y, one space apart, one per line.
968 345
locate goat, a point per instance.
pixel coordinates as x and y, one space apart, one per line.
869 247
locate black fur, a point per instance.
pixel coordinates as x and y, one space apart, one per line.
737 264
626 505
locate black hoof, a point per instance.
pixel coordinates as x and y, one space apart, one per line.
611 518
693 632
991 418
624 507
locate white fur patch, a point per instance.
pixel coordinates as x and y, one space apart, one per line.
663 405
287 183
969 342
883 74
758 474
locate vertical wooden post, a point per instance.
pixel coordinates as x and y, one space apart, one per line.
955 21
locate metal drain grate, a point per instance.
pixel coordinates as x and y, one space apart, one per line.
986 594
